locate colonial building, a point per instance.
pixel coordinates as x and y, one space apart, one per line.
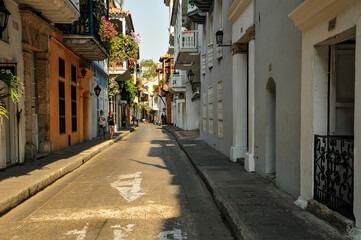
217 88
73 47
330 104
101 102
275 93
185 41
167 68
30 30
12 129
120 70
56 49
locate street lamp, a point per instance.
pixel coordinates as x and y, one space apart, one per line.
97 90
4 17
219 39
190 76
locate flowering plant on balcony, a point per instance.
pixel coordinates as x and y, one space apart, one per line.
113 87
120 46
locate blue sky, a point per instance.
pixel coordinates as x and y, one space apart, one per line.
151 20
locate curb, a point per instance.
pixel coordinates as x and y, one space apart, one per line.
237 226
75 162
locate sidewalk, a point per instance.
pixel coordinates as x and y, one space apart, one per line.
20 182
253 207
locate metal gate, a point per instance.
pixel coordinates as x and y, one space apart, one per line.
334 173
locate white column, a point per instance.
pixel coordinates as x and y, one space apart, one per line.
239 93
249 164
123 25
357 127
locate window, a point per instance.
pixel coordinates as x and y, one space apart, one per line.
61 107
73 109
220 108
73 73
210 109
203 64
204 111
210 55
61 68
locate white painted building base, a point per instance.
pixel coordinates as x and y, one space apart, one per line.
301 202
355 234
249 164
237 152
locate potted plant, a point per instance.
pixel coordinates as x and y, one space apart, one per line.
13 88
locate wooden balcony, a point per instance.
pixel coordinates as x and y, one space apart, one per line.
196 15
83 38
203 5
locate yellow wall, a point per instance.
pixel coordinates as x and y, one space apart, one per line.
57 49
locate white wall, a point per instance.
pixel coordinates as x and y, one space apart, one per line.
12 51
313 19
192 110
278 57
221 71
93 114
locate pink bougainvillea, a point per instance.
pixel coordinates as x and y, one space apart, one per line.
120 46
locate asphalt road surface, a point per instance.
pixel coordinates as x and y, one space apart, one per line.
142 187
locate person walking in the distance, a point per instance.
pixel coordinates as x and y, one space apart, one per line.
111 123
101 124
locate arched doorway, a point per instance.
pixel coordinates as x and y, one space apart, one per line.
271 129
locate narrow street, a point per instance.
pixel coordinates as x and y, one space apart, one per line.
142 187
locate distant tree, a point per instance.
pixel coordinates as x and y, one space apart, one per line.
152 68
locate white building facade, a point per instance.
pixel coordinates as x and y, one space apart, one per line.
217 97
330 104
12 130
188 37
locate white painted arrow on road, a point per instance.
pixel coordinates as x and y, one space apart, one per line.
81 234
121 232
128 186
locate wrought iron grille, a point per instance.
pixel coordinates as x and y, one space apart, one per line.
87 24
333 173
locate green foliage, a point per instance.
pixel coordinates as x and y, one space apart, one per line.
120 46
14 89
128 91
155 88
99 7
113 87
149 63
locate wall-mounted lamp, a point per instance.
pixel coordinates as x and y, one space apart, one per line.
219 39
190 76
97 90
4 17
83 72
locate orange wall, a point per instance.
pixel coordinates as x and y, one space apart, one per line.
62 140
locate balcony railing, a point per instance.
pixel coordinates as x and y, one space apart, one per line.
334 173
186 41
189 39
87 25
177 81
